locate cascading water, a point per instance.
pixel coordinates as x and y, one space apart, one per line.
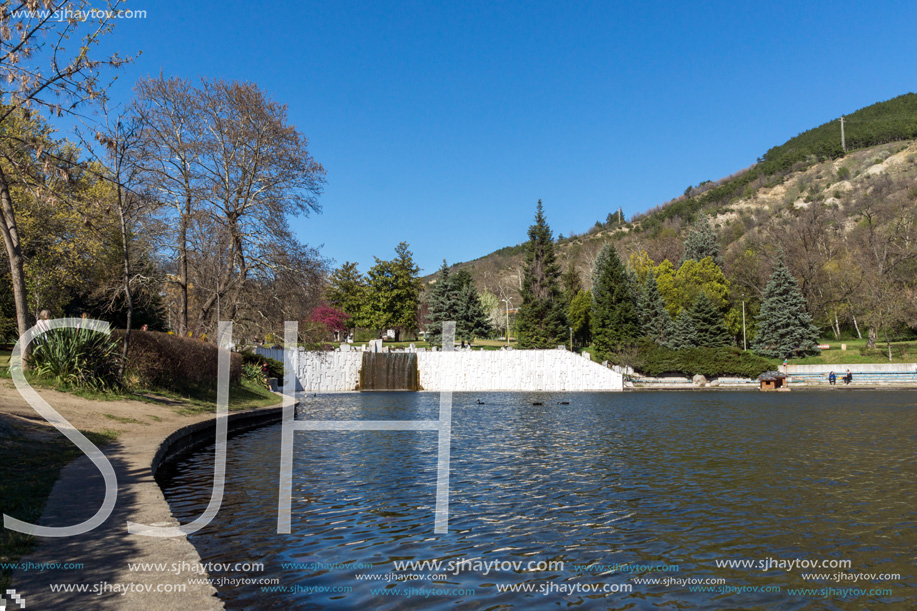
389 371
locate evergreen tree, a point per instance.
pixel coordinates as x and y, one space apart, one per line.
708 323
394 293
579 313
472 320
443 305
454 297
347 291
685 334
572 284
785 328
655 320
701 242
541 322
615 323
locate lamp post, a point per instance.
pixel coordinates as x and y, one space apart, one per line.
744 341
507 302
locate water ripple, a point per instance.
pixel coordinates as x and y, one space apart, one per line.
667 478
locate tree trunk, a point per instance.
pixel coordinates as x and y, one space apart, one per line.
183 263
856 326
128 295
888 344
14 252
871 341
837 327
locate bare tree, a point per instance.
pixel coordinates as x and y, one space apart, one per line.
257 171
171 152
885 243
121 138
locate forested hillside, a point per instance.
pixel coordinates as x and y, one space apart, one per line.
845 224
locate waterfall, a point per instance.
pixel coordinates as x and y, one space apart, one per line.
389 371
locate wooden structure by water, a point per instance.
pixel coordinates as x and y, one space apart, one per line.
389 371
773 380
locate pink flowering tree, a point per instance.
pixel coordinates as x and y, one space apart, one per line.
329 319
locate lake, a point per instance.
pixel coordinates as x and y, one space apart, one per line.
723 498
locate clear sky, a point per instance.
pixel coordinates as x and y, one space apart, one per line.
442 124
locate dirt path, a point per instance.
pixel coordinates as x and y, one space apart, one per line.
105 552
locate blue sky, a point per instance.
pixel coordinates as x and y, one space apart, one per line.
442 124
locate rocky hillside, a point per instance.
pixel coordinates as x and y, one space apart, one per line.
804 198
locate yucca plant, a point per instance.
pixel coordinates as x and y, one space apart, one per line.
252 373
79 358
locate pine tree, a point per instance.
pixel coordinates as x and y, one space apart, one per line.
708 323
472 320
615 323
655 320
541 321
701 242
685 335
785 328
443 305
572 284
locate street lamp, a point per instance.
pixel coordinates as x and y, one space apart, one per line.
744 341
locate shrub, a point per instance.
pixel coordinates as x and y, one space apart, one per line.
8 330
274 367
252 373
80 358
710 362
160 360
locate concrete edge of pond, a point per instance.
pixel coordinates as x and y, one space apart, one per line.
106 553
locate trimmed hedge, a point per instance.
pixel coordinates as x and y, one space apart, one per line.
160 360
709 362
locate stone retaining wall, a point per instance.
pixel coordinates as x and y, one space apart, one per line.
476 370
514 370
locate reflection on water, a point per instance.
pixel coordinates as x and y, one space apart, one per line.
637 478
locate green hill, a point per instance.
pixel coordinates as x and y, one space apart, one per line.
805 198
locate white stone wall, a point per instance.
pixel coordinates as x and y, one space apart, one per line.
477 370
329 371
521 370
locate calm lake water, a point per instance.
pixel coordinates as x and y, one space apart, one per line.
673 481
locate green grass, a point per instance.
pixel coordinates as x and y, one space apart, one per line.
30 468
902 352
200 400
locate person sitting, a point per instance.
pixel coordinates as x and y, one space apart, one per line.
848 378
832 379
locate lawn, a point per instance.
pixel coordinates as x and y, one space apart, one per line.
902 352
